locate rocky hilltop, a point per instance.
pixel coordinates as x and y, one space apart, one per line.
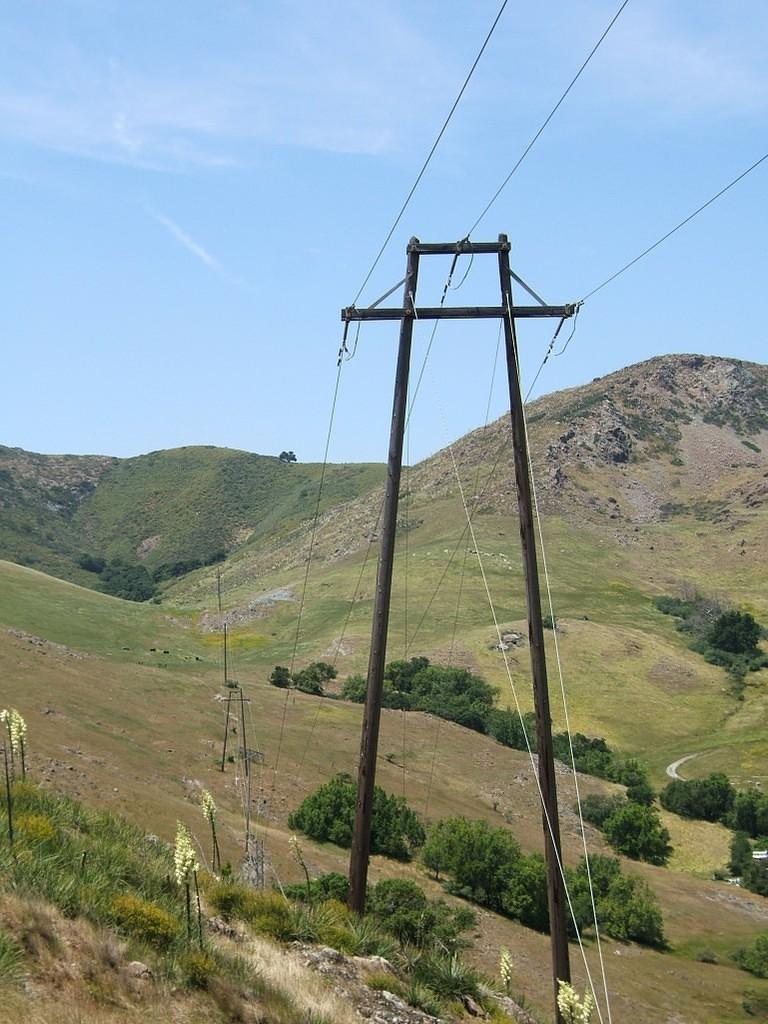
674 437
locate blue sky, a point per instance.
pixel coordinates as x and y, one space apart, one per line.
190 192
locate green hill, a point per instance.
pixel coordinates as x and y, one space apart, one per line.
652 481
186 505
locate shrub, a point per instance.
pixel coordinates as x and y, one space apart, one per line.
754 958
228 898
35 828
634 776
401 908
198 968
354 688
367 939
454 694
596 808
270 914
327 815
506 727
629 912
448 976
755 877
144 921
331 886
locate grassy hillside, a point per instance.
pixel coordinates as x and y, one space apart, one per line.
652 481
165 507
139 732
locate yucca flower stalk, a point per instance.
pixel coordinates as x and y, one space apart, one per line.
8 796
185 870
208 808
17 729
298 856
505 968
574 1010
5 718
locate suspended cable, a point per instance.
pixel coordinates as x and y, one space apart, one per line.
431 153
561 678
334 402
676 228
548 118
513 689
462 574
550 349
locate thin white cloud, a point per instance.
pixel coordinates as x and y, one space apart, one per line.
334 77
190 244
706 66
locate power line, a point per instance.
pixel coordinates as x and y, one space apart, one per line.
675 228
313 535
431 153
549 117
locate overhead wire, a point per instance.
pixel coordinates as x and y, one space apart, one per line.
548 118
675 229
560 673
497 458
431 152
462 573
334 402
409 412
513 688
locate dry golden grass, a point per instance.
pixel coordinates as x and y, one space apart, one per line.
311 993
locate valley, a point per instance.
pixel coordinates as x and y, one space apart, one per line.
651 482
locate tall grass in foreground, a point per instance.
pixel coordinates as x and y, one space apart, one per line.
95 866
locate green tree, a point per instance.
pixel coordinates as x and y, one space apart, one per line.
637 832
128 580
754 958
709 799
750 812
327 816
755 877
741 854
506 727
480 859
354 688
281 676
629 912
525 895
736 632
92 563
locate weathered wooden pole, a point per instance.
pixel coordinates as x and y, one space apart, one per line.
226 730
555 886
361 836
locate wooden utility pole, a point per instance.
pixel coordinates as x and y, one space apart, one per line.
507 313
226 730
369 741
561 970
